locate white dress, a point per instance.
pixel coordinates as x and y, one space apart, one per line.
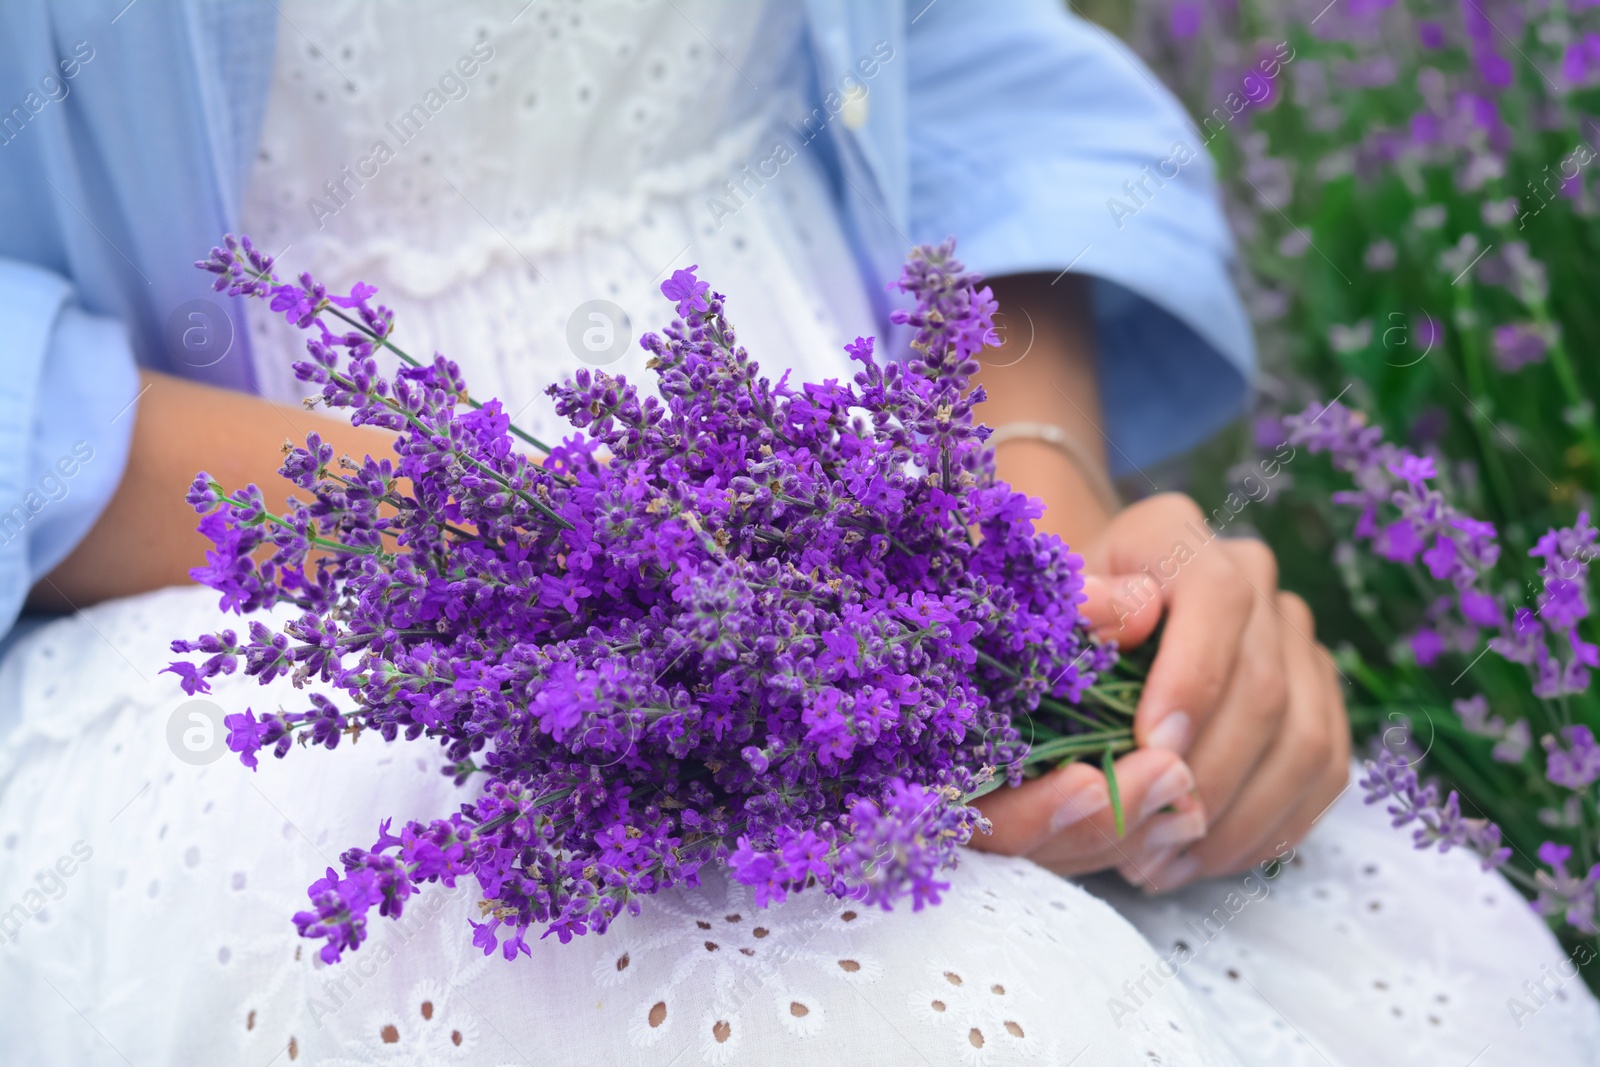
146 879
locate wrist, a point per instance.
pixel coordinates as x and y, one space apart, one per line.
1074 509
1091 464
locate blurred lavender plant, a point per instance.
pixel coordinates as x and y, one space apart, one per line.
1419 223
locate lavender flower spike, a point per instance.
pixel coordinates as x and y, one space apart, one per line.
789 630
1393 779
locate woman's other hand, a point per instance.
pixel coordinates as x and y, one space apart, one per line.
1241 729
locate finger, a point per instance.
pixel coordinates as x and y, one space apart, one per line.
1233 743
1069 809
1333 785
1160 838
1293 774
1144 531
1024 816
1335 780
1122 608
1153 785
1125 600
1208 608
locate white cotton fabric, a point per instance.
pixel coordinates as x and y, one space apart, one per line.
597 149
145 898
170 943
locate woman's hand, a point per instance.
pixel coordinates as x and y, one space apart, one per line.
1239 689
1242 735
1241 727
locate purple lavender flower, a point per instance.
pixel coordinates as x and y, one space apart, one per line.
687 291
787 629
1581 60
896 843
1480 609
1514 743
1565 894
1426 646
1493 68
1461 550
1440 826
1516 345
1562 604
1184 19
1391 481
1268 431
247 735
1574 762
1427 332
1474 712
1511 741
339 914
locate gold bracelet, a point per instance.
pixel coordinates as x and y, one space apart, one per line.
1069 446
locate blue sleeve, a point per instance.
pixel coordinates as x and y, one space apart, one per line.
66 424
1042 144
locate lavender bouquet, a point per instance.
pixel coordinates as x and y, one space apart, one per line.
1412 188
793 631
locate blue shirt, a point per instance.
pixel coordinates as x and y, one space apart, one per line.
127 134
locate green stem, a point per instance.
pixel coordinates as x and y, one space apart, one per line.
311 539
1056 706
1482 423
1096 695
1371 679
1108 766
533 501
1561 363
398 351
421 427
1567 376
1075 745
1059 708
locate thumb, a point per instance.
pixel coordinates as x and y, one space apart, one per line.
1122 608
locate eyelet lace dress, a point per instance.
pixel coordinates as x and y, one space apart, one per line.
146 879
593 149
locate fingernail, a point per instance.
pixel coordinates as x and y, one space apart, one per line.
1081 803
1139 873
1176 783
1175 875
1179 829
1172 734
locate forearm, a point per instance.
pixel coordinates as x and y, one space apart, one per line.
146 538
1044 372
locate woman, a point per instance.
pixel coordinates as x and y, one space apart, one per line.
516 180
